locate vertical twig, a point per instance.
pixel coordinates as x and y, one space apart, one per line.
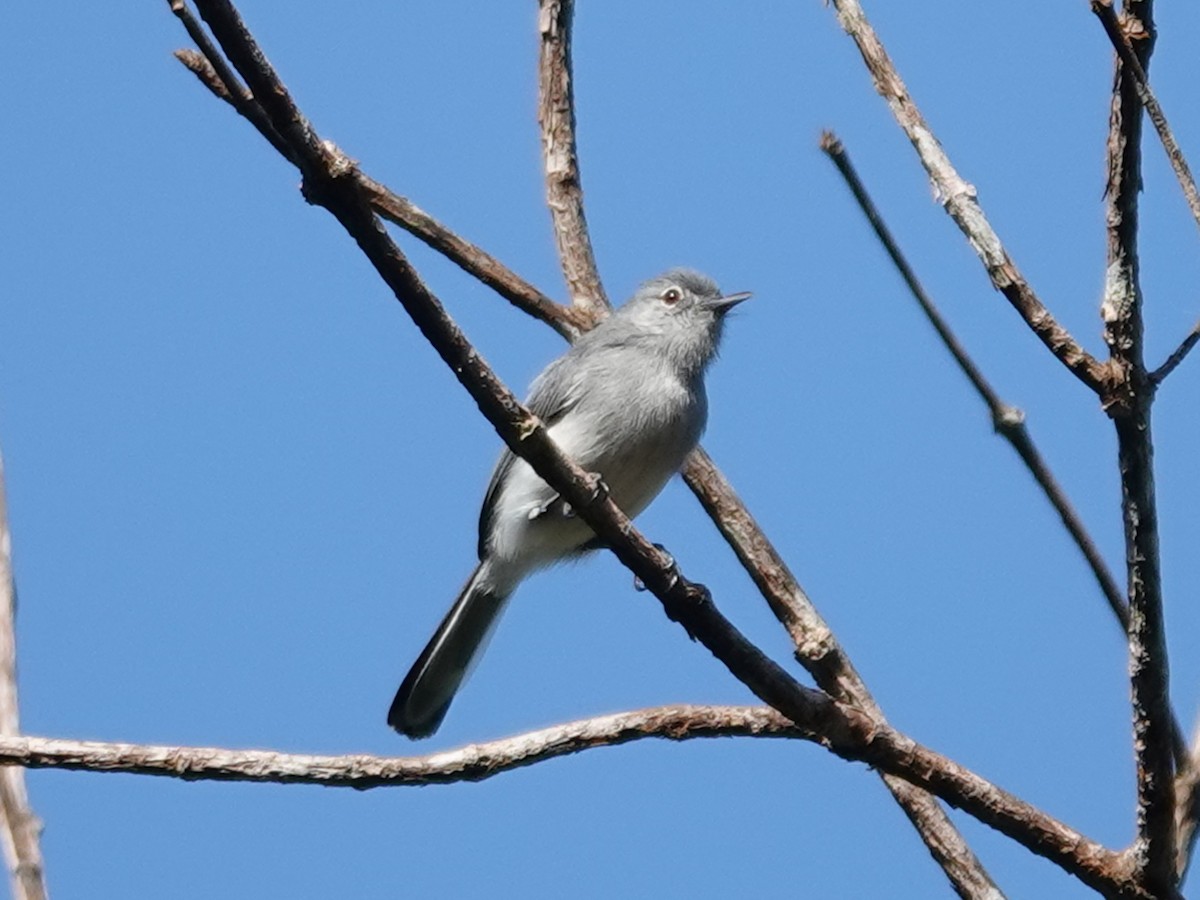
22 828
564 190
1141 83
1187 808
1129 403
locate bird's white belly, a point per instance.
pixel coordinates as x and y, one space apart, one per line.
531 527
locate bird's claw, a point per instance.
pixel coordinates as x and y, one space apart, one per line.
538 511
639 585
599 493
599 489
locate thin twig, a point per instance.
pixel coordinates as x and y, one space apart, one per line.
214 73
817 649
1141 83
958 198
21 828
564 190
1007 420
1129 405
843 729
1187 808
1176 357
403 212
1090 862
566 320
328 181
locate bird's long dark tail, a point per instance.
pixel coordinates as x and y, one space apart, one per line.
430 686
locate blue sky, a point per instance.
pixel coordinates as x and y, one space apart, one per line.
243 490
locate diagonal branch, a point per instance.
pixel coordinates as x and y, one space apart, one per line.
1008 421
567 321
21 828
1129 406
328 182
958 198
470 258
817 650
1141 84
1178 356
564 191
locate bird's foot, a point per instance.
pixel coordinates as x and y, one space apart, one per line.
599 493
599 488
538 511
639 585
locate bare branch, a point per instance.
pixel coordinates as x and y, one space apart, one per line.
1187 808
567 321
1008 421
329 181
474 762
843 729
1177 357
214 73
958 198
818 651
21 828
1129 406
1141 83
564 191
1093 864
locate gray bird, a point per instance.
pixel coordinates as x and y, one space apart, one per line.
627 401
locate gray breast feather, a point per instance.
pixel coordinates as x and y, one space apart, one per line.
635 443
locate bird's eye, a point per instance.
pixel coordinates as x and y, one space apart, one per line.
671 296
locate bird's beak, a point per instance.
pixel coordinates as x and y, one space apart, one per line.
723 305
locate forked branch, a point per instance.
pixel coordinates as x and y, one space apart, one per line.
1141 84
1129 405
817 649
564 189
329 183
566 320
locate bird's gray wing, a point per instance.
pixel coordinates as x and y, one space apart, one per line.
554 393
